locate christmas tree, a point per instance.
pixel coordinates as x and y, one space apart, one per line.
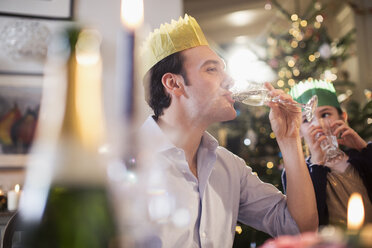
306 50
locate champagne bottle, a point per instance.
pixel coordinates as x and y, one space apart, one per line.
66 200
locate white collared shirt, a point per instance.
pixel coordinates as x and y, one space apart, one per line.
185 211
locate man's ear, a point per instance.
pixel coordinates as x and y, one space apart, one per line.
173 83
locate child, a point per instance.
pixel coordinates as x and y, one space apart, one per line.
334 182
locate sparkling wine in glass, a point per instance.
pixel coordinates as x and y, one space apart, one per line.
257 95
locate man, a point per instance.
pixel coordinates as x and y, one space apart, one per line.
334 182
203 189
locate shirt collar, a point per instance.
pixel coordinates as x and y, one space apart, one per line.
152 137
209 142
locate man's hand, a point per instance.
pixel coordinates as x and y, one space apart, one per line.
285 119
347 136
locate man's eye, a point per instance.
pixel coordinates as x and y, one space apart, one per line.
325 115
211 69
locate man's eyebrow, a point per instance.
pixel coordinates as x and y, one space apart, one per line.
214 62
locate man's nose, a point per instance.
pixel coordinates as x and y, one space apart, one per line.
228 82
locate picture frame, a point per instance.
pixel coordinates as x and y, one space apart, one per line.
21 38
44 9
20 98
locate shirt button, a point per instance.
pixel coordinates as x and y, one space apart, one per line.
204 235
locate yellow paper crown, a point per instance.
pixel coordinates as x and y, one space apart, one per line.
171 38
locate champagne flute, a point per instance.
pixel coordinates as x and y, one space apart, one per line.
256 94
330 146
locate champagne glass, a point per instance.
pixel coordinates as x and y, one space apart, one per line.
330 146
256 94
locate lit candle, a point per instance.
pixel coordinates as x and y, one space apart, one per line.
13 198
355 212
131 19
355 219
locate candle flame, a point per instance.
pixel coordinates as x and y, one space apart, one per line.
355 212
132 13
16 188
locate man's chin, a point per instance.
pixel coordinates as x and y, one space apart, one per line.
230 115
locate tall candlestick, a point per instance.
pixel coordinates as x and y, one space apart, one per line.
131 18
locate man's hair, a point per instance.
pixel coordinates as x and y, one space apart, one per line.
156 96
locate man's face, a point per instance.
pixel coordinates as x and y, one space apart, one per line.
207 90
309 129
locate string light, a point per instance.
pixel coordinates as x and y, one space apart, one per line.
272 134
311 58
294 17
319 18
267 6
291 82
247 142
296 72
294 44
303 23
270 165
295 33
280 84
238 229
317 25
368 93
291 63
318 6
299 37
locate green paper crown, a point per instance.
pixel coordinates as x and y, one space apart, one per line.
303 91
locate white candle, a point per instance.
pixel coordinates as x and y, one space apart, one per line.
13 198
131 18
355 212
